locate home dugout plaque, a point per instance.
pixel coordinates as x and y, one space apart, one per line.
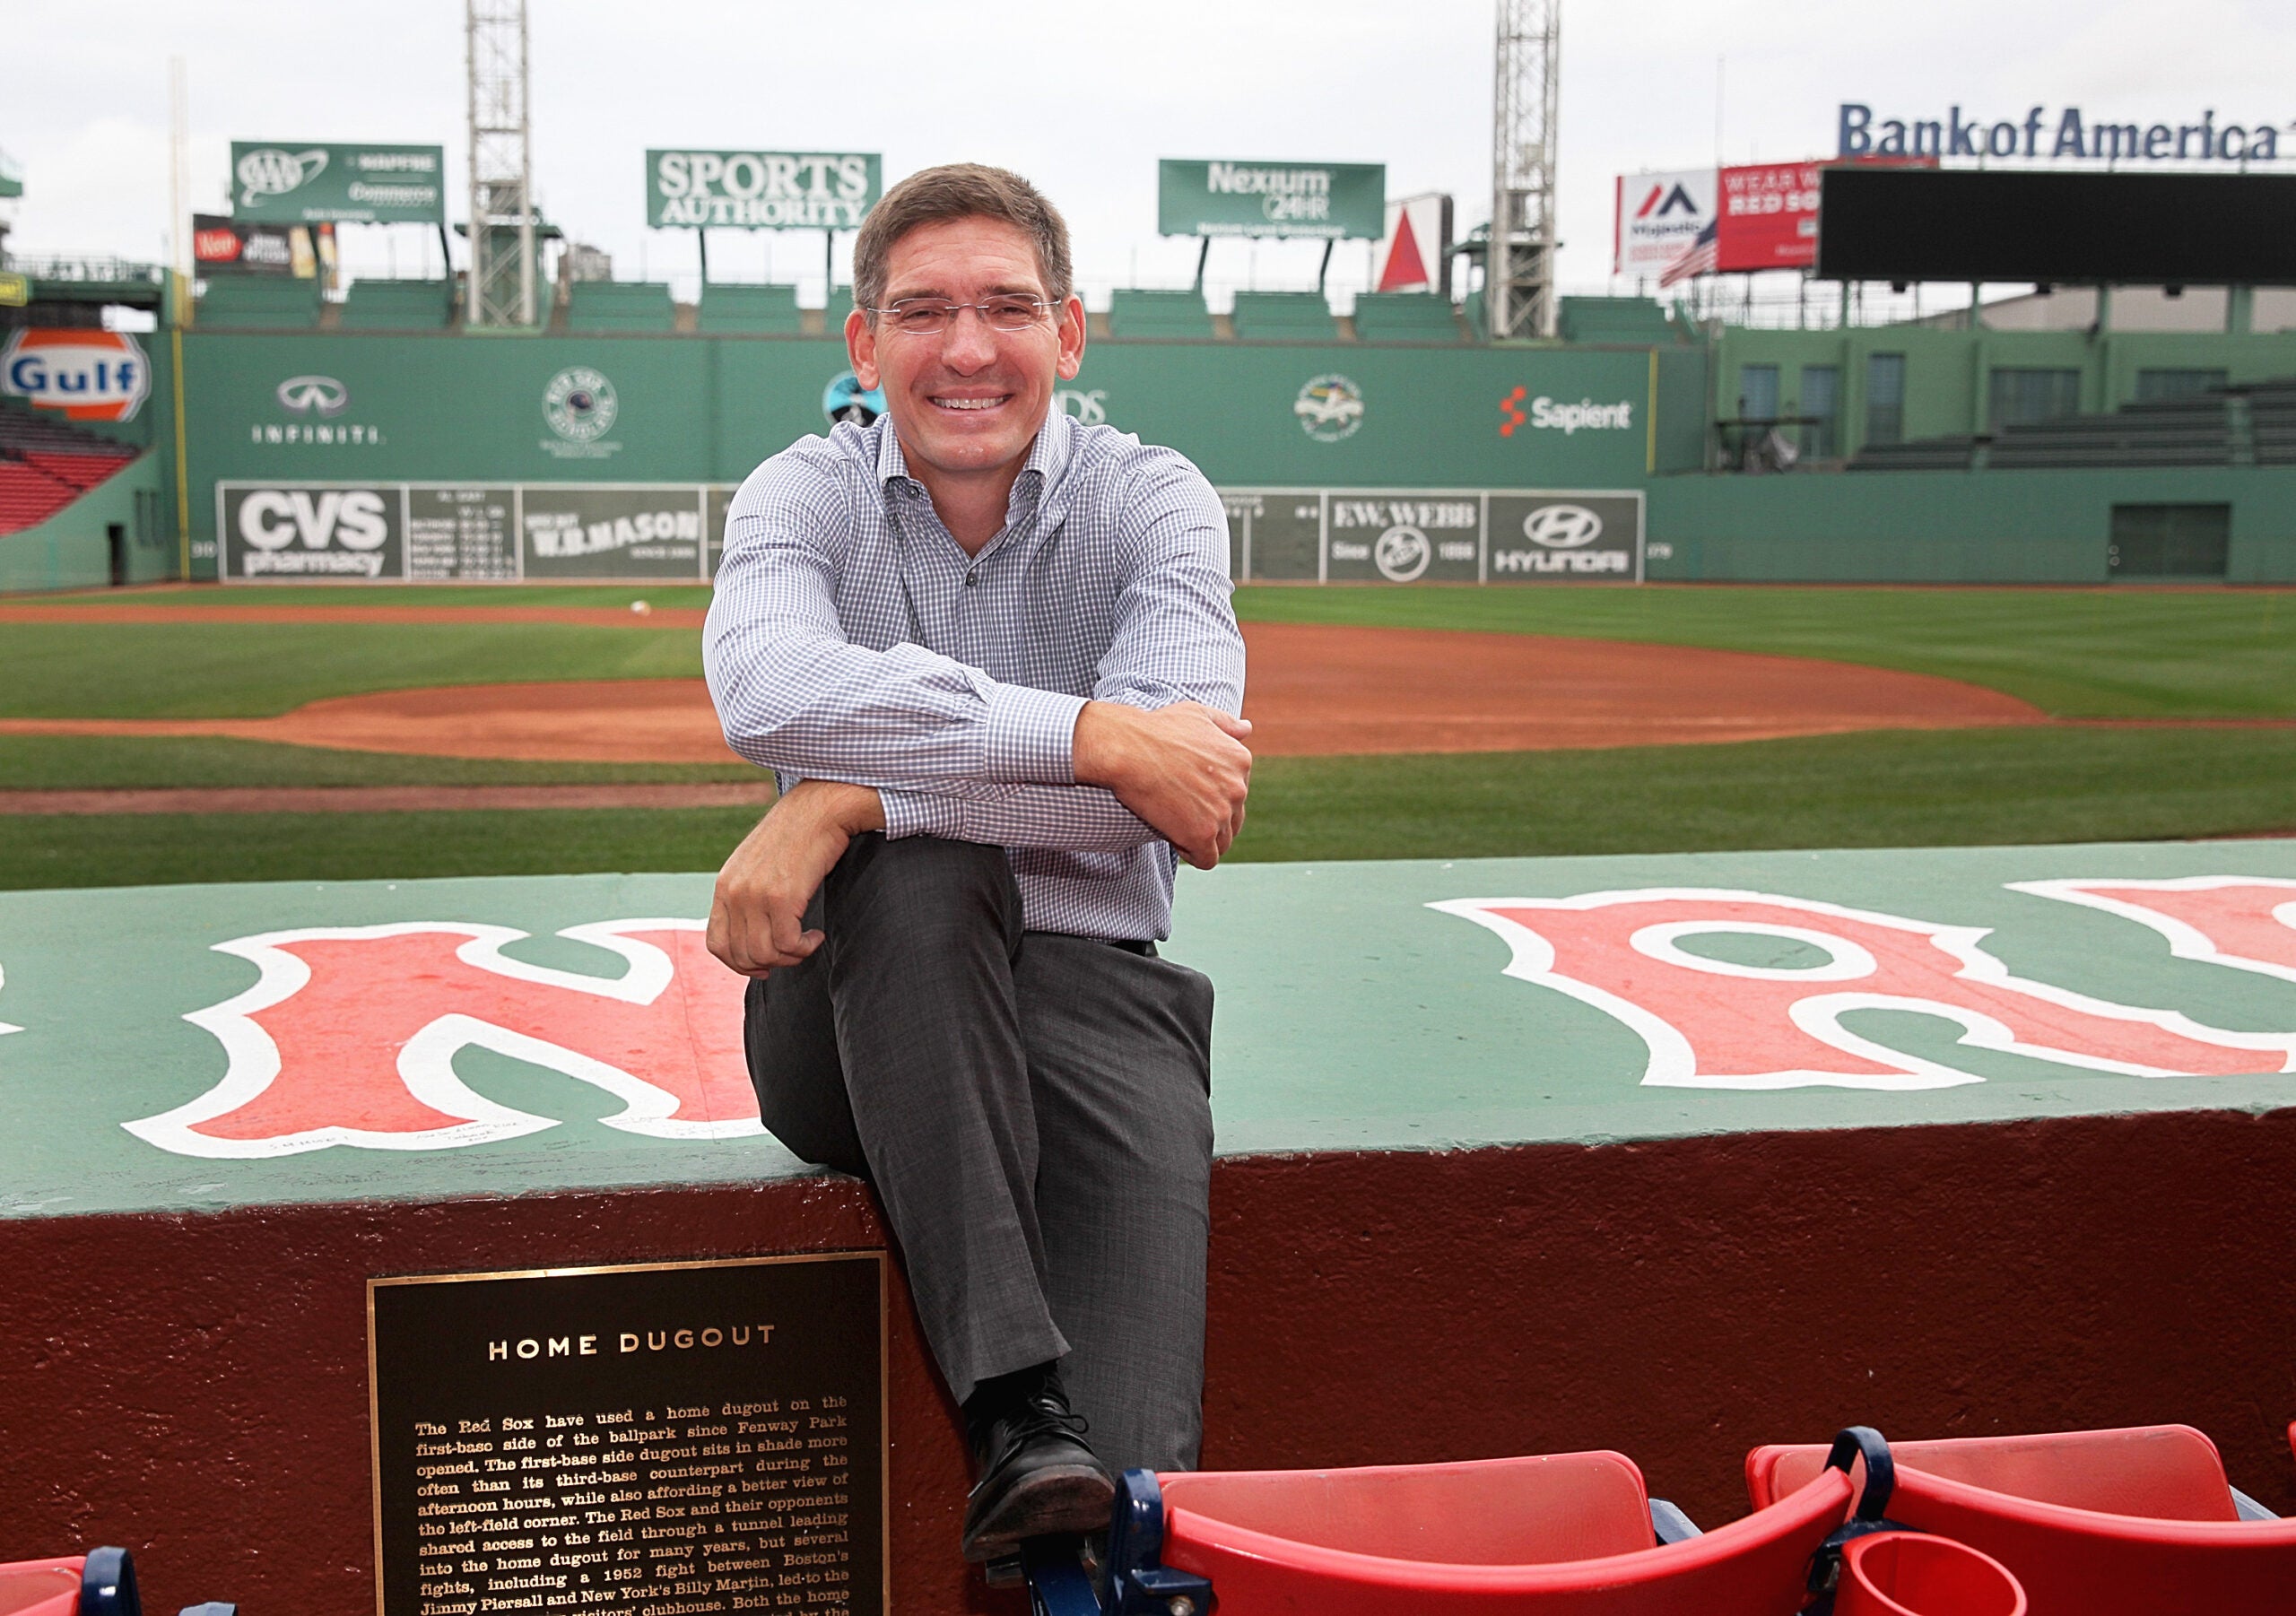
664 1439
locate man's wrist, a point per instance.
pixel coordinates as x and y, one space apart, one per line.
1103 728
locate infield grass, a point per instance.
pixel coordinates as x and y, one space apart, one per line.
2107 653
1928 789
2077 653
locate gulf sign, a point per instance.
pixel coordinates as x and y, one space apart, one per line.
89 375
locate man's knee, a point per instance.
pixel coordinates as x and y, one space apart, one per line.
922 892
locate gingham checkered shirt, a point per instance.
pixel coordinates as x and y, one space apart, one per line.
851 638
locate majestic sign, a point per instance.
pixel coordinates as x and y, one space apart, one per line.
632 1440
295 182
1327 200
761 190
2066 136
88 375
1656 217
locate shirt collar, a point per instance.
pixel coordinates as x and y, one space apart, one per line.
1048 455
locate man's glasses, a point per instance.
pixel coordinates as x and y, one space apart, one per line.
930 317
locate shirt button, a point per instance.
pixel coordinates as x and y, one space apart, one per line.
973 580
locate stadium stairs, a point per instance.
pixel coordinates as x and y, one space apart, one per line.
1283 316
1405 317
46 464
2253 424
1158 314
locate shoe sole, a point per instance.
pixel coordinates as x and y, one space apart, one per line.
1065 1497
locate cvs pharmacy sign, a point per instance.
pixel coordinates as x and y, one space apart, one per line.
89 375
310 531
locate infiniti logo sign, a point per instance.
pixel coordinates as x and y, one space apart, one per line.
314 395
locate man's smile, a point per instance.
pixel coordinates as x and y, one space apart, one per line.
968 401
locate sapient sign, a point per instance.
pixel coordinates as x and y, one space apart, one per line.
1330 200
297 182
761 190
2067 135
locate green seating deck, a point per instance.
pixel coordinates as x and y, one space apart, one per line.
1283 316
748 311
1158 314
1405 317
399 306
620 306
260 303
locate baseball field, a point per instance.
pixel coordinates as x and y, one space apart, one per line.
180 735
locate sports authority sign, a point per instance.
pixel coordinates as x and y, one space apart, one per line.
761 190
307 182
1329 200
362 1040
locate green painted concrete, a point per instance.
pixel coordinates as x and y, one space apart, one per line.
1352 1016
71 551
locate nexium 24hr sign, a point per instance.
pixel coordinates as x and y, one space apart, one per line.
1330 200
761 190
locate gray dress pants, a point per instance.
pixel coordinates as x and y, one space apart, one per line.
1034 1113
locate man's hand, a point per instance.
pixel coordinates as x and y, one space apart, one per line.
757 917
1183 769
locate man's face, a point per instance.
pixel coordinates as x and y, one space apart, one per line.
969 399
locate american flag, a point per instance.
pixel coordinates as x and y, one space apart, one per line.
1697 258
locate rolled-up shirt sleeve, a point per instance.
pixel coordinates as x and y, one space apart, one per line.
795 694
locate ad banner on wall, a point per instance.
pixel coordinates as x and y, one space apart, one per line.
1330 200
761 190
1768 217
313 182
1434 535
1658 217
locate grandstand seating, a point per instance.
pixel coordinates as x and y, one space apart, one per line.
1284 316
2232 426
46 463
1636 321
260 303
399 306
748 311
1404 316
1158 314
620 306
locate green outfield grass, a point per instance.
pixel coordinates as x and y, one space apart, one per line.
2079 653
2115 653
1917 790
110 762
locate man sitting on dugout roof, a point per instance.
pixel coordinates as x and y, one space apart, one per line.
989 653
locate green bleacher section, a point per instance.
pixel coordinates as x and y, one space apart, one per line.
1404 316
2254 425
1284 316
1158 314
623 306
260 303
399 306
1637 321
748 311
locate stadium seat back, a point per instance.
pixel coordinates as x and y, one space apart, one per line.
2164 1471
1754 1565
40 1587
1491 1512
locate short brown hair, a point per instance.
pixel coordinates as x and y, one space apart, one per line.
959 190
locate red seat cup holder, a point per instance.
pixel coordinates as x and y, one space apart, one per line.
39 1588
1914 1574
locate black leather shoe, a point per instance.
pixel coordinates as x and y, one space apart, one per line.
1037 1474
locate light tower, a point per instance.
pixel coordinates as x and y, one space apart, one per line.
1518 273
501 289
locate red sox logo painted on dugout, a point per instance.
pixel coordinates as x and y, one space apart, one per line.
349 1035
1710 1023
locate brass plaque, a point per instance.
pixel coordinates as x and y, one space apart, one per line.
658 1439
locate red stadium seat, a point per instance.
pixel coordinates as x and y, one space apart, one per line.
2091 1522
1563 1536
40 1587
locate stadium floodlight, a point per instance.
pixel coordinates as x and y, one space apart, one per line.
501 287
1519 270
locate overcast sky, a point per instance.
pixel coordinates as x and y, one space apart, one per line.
1082 98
